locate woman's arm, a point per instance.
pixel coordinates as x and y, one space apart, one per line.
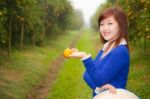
118 60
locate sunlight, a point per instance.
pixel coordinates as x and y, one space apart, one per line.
88 7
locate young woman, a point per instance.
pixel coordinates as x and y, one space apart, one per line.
109 70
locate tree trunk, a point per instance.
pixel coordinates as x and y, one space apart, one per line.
44 16
21 36
9 20
33 39
144 45
9 34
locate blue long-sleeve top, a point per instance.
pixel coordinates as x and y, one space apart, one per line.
111 69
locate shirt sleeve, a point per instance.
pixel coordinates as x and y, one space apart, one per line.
115 63
86 57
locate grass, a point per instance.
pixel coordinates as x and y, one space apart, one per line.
70 84
22 70
139 75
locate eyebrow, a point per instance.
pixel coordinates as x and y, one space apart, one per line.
107 21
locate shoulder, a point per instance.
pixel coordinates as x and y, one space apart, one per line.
121 51
120 54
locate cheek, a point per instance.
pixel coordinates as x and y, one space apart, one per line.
100 29
115 29
114 34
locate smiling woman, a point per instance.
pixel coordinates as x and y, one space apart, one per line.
107 28
109 70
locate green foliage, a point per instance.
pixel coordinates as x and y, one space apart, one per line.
139 75
138 16
32 21
76 20
3 33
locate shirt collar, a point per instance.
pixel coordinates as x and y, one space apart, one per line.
122 42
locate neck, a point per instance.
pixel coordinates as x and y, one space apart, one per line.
113 39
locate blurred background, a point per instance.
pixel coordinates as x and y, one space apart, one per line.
34 34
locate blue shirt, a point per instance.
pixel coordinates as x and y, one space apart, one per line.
111 69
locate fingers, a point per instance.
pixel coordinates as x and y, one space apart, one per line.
112 89
98 90
74 50
109 87
77 55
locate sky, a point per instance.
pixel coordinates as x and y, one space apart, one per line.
88 7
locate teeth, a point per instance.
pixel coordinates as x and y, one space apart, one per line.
106 33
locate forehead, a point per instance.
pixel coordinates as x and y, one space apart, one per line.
110 18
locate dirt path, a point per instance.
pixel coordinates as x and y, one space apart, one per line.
41 90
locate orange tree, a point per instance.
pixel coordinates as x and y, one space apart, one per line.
28 22
3 31
138 18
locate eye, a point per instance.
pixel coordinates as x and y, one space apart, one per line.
110 23
101 24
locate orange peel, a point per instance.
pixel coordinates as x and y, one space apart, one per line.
67 52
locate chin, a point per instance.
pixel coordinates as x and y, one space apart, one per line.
107 39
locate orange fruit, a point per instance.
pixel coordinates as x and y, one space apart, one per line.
67 52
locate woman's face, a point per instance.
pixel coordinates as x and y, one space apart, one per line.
109 28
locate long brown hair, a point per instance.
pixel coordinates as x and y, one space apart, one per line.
121 19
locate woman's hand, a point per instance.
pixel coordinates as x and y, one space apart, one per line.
109 87
74 53
74 50
77 54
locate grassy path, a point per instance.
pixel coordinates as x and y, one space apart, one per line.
23 70
40 91
70 84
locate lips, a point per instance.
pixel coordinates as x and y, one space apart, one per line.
106 33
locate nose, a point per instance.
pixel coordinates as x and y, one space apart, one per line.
104 27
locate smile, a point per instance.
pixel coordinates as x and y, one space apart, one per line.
106 33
